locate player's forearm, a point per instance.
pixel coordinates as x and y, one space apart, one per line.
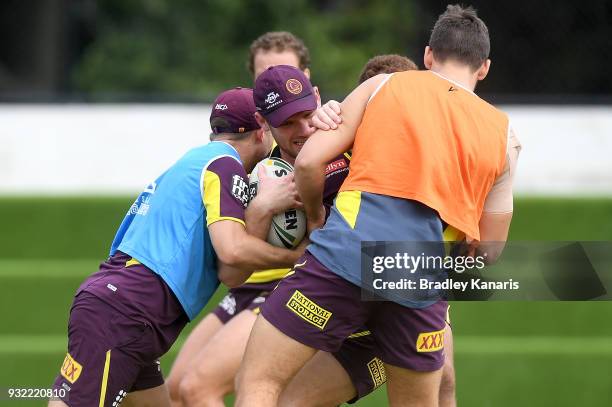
232 276
310 182
255 254
494 228
248 254
258 218
237 249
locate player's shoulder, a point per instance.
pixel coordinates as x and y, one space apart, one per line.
409 75
222 159
494 113
220 149
423 77
225 163
209 152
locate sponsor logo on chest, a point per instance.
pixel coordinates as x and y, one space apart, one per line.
335 166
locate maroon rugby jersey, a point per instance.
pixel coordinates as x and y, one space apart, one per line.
335 174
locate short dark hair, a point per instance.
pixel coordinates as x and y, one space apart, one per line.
461 36
231 136
279 41
386 64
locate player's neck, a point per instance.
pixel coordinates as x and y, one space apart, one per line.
462 74
287 157
246 153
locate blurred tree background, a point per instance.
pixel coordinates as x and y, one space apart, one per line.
189 50
194 47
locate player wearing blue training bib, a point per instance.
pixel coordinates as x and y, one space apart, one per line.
166 227
184 233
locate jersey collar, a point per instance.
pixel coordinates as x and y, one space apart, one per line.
452 81
276 153
227 144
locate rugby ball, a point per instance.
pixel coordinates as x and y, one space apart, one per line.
287 228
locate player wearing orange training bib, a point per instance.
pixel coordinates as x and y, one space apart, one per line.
427 152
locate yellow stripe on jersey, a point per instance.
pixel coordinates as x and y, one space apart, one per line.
212 195
348 156
227 218
105 379
450 236
131 262
265 276
359 334
273 147
348 203
212 199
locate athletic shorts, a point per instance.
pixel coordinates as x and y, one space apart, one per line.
359 356
110 353
320 309
246 297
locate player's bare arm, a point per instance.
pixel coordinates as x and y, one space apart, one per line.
497 215
494 233
244 253
323 146
274 195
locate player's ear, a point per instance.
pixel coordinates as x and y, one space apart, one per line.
307 72
317 95
484 70
259 135
261 121
428 57
268 141
263 138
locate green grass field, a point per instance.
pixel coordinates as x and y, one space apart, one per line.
507 353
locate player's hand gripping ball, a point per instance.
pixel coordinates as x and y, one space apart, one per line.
289 227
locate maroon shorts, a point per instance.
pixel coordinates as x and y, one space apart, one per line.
115 349
359 356
320 309
246 297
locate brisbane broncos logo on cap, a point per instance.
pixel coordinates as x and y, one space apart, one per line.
271 98
294 86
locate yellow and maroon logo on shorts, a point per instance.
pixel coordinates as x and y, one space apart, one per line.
430 341
71 369
308 310
377 371
294 86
